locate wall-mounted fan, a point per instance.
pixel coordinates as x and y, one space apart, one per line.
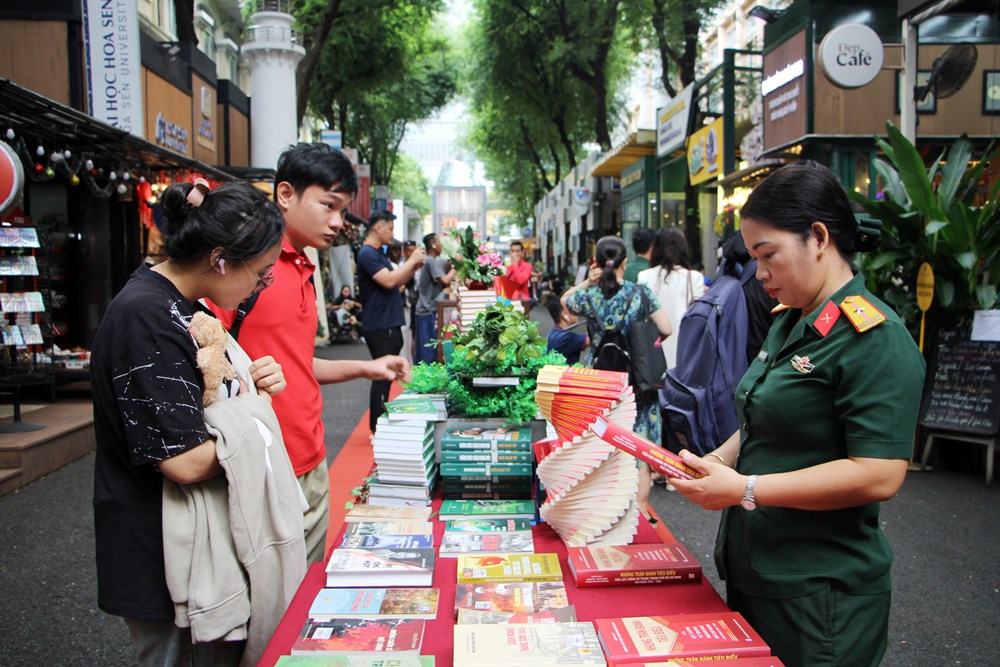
949 72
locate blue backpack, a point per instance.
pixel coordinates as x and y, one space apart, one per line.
698 394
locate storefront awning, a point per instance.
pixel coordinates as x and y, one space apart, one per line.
639 144
748 177
62 127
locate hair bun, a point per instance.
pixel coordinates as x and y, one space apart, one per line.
175 206
868 235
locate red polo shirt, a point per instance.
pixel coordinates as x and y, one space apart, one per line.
283 324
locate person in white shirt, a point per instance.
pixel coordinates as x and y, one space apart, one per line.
673 281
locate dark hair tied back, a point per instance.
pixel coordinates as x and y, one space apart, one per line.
609 254
869 234
235 216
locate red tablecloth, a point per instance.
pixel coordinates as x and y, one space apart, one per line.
591 603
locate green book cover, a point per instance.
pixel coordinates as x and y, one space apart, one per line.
487 525
495 509
484 456
497 469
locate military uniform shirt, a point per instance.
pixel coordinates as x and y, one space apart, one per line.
847 394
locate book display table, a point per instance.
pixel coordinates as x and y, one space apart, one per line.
590 603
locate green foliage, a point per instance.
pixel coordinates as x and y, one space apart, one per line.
383 66
543 78
500 342
933 215
409 184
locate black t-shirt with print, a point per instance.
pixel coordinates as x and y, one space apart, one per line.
147 393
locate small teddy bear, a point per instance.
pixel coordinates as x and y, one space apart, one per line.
211 338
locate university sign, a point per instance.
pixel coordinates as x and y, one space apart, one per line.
672 122
704 153
114 76
851 55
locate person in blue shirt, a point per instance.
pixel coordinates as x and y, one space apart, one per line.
568 343
381 300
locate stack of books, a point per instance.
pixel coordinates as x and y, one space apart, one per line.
590 485
471 302
403 448
486 462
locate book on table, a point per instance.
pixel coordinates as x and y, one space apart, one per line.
486 509
508 568
486 544
367 527
410 409
487 526
377 602
354 661
386 541
518 597
471 437
381 489
759 661
353 636
354 568
598 565
641 639
387 513
407 429
473 617
535 644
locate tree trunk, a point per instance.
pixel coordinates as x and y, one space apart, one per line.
535 157
304 72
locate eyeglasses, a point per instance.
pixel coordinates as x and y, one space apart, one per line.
264 279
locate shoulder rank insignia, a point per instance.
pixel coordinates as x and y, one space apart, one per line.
802 364
826 318
862 314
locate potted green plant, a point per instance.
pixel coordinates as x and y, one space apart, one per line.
474 263
936 215
500 342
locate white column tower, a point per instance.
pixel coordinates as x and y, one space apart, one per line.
273 50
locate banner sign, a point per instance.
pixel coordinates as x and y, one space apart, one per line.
705 153
114 72
672 122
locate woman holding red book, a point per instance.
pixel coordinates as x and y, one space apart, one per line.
828 413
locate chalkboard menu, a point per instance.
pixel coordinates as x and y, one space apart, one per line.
962 390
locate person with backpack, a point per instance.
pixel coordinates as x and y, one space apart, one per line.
672 280
611 305
827 417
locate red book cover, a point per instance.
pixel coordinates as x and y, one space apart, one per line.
641 639
355 636
597 565
569 378
764 661
658 458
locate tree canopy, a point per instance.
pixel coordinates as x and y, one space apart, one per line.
380 66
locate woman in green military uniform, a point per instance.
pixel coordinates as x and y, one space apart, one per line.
827 418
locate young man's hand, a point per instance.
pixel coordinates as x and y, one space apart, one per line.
267 375
389 367
418 257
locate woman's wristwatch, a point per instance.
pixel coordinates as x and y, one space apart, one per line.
749 502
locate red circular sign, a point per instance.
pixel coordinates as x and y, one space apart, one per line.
11 177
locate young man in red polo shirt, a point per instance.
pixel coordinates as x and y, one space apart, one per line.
313 187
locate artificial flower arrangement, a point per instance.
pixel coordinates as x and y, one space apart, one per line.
471 259
500 342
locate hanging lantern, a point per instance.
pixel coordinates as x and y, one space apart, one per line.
74 180
10 133
89 165
122 188
40 151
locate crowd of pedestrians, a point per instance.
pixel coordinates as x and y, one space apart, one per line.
800 481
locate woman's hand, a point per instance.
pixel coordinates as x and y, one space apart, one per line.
721 486
267 375
594 276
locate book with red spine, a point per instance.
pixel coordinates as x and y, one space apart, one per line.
597 565
640 639
659 459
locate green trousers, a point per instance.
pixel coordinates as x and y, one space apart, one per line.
828 628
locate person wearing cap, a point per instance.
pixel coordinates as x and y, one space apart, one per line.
382 301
